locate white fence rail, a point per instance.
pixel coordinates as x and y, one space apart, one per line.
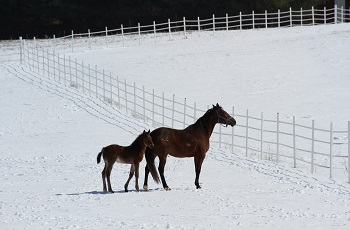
300 145
253 20
284 140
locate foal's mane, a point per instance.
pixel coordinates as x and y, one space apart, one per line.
135 142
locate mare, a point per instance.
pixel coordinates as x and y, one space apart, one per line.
132 154
192 141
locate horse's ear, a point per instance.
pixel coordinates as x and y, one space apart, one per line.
144 131
149 131
217 105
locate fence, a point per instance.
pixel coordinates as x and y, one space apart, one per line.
253 20
273 138
305 145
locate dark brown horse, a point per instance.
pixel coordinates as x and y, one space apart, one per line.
132 154
192 141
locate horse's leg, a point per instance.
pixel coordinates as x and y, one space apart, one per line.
131 174
145 184
137 164
109 169
104 178
198 160
162 162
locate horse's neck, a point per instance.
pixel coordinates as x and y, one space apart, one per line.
206 125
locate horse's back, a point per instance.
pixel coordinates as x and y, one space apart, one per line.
175 142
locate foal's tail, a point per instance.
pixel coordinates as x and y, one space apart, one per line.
149 155
99 155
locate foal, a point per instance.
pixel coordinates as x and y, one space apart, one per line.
132 154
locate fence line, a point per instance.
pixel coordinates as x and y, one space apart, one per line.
253 20
258 136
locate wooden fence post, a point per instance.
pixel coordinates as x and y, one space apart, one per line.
294 145
213 23
72 40
278 138
144 103
106 36
240 21
312 146
20 49
253 15
335 14
331 150
154 31
279 18
301 16
163 109
89 36
199 25
122 30
153 123
184 123
126 97
169 25
246 133
233 131
173 112
348 151
139 32
262 136
134 97
265 18
290 17
184 22
226 22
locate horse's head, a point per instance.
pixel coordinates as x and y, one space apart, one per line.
223 116
148 139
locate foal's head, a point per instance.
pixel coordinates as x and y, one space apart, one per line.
223 116
147 139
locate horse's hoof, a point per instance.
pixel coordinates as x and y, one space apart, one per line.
167 189
145 187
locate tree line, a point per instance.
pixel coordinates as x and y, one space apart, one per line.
41 18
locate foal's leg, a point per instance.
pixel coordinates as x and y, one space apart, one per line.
131 174
104 178
162 162
137 176
109 169
198 160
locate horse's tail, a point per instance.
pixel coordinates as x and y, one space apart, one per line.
149 155
99 156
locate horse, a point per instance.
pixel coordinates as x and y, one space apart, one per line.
192 141
132 154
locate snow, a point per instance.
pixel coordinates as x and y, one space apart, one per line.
50 135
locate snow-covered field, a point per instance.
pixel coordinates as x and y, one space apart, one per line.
50 135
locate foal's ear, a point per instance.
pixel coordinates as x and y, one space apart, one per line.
149 131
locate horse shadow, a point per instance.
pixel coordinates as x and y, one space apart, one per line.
105 193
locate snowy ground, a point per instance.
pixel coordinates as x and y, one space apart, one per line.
50 136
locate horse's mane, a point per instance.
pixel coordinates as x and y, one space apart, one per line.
204 117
